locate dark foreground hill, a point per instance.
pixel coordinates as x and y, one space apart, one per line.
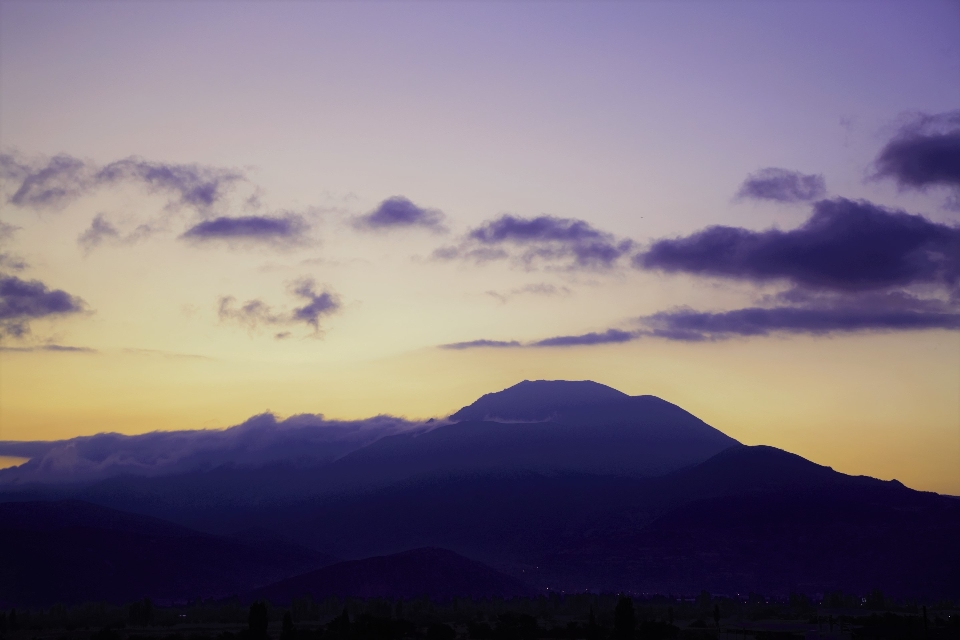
71 552
436 573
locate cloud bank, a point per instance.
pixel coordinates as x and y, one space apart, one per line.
399 212
568 242
782 185
261 440
845 245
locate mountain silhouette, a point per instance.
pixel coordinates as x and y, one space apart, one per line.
764 520
436 573
535 400
567 485
592 429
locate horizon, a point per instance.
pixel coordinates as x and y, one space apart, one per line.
209 211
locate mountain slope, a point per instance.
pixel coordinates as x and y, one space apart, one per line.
760 519
72 552
592 429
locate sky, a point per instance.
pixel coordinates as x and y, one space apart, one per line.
212 210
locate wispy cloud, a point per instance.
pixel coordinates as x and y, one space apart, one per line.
474 344
817 315
55 182
56 348
399 213
538 289
610 336
782 185
102 230
255 314
8 260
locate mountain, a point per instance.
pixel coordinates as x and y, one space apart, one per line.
749 518
436 573
567 485
537 400
71 552
582 428
764 520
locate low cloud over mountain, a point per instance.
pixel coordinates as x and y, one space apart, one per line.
305 438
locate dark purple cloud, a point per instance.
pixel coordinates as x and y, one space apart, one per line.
319 303
22 301
473 344
876 312
55 182
286 229
925 152
783 185
845 245
610 336
399 212
254 314
544 238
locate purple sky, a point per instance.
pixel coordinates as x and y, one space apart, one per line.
226 208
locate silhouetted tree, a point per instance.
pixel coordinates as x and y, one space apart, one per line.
258 620
141 612
339 627
287 631
716 616
438 631
669 615
624 618
479 630
875 600
3 622
926 630
517 626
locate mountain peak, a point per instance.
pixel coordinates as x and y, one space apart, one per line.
535 400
